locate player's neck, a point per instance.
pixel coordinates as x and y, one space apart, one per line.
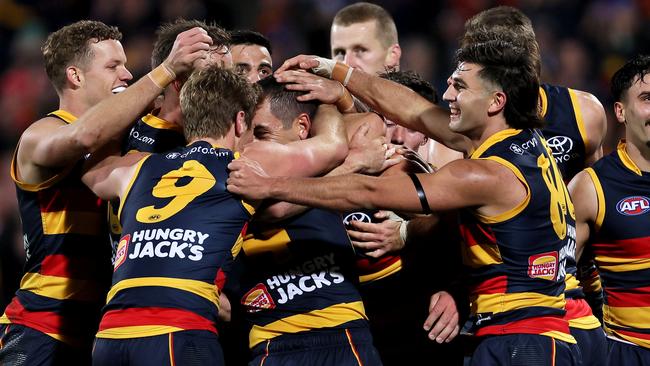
73 106
639 155
494 125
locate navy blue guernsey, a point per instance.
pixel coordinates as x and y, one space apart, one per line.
299 275
517 258
153 134
565 128
180 228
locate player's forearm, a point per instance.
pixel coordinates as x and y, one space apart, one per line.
342 193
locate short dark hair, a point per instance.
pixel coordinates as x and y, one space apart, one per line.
503 23
283 102
71 45
361 12
167 33
245 36
623 78
508 66
413 81
210 100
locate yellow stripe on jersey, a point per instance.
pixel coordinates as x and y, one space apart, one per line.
600 216
60 288
578 114
160 123
616 264
36 187
273 241
625 158
206 290
239 243
71 222
499 303
586 322
638 341
632 317
136 331
65 115
497 137
515 210
317 319
570 282
543 101
390 270
480 255
127 190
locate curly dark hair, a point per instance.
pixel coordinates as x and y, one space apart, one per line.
71 45
624 78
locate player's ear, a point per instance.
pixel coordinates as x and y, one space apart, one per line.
619 112
302 125
74 75
498 102
392 57
240 123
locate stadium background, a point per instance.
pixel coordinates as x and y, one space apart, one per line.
582 44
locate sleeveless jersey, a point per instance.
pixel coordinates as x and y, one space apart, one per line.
565 128
180 227
621 245
149 134
299 276
67 269
517 258
153 134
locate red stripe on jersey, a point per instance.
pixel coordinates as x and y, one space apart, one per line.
44 321
496 285
625 248
577 308
68 198
68 267
536 325
633 334
629 297
373 265
477 234
155 316
220 279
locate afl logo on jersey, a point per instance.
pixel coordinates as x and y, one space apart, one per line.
356 216
121 252
516 149
633 206
560 145
172 155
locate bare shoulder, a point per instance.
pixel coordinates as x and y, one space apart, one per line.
582 190
376 125
594 118
40 129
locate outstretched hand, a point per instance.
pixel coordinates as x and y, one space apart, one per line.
248 179
304 62
316 87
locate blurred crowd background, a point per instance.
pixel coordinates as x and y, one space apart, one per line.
582 44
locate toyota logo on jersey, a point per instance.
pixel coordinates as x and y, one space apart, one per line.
560 145
633 206
356 216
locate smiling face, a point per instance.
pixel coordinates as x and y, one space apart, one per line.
104 71
469 98
634 111
357 45
252 61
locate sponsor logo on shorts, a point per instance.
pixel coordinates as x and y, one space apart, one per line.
543 266
633 206
258 298
121 252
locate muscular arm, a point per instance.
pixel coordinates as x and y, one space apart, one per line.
585 200
109 177
595 122
489 186
392 100
49 144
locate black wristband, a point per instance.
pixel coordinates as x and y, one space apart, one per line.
420 191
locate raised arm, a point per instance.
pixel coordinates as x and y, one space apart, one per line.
397 102
585 200
49 144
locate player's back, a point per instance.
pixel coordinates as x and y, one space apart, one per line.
180 227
